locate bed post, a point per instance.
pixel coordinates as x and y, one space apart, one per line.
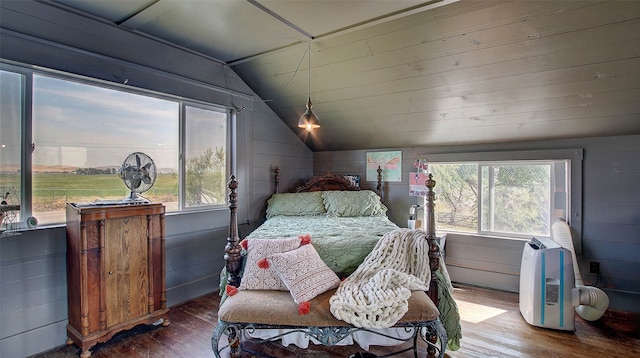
434 258
232 250
434 250
379 187
276 178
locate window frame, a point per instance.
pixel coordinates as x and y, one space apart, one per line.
491 164
182 150
573 177
27 73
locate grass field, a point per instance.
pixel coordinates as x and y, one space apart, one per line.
51 191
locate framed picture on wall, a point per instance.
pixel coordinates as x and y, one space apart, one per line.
389 162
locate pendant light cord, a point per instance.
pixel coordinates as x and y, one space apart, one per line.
306 51
297 69
309 69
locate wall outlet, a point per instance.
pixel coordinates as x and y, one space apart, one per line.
594 267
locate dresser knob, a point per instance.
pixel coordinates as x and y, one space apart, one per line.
110 272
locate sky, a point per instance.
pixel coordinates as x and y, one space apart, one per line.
81 125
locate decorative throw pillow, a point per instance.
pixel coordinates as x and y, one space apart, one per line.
257 275
304 273
295 204
353 203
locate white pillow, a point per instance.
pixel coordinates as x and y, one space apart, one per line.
304 273
256 278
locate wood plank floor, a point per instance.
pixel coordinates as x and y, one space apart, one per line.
491 327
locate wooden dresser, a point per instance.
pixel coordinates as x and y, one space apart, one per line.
115 270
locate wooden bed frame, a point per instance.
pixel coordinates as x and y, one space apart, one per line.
432 332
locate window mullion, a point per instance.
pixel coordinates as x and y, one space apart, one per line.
26 179
480 198
552 192
492 198
181 155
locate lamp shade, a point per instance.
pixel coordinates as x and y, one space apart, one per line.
309 120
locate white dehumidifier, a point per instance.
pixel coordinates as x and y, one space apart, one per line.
546 285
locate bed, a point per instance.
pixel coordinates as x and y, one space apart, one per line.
326 248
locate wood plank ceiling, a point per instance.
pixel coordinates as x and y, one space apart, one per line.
413 73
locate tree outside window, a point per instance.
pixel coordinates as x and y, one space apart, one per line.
515 198
206 156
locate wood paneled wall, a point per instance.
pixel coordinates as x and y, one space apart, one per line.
484 70
273 145
610 215
33 292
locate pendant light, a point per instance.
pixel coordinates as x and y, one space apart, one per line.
309 120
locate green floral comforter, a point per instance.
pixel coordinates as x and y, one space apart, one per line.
342 242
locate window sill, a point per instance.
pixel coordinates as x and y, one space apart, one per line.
481 236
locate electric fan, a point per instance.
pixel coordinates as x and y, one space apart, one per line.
9 209
139 174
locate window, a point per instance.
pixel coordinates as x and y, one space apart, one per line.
10 145
82 131
517 199
82 134
205 157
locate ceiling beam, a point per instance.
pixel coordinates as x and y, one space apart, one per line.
341 31
148 13
280 18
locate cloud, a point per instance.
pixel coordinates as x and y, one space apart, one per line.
109 122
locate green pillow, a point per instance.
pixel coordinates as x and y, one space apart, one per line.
353 203
295 204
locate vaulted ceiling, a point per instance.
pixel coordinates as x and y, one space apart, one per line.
414 73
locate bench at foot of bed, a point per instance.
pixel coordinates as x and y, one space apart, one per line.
242 314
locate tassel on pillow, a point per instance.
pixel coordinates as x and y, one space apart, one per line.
230 290
304 308
263 263
244 244
305 239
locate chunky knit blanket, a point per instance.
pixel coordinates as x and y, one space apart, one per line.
376 294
